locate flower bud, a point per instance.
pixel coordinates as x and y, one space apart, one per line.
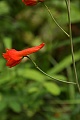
31 2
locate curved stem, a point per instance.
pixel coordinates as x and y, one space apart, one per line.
71 42
47 74
55 20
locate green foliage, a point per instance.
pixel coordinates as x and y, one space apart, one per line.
26 93
15 106
52 88
31 74
4 8
67 61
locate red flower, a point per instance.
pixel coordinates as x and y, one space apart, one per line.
14 57
31 2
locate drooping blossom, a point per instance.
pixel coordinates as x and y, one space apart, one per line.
14 57
31 2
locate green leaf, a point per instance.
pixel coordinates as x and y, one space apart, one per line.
31 74
52 88
67 61
15 106
33 89
4 8
1 64
63 18
6 76
75 10
2 105
7 42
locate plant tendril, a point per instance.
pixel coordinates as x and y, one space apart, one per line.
47 74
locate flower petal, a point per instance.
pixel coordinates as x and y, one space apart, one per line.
14 54
30 2
12 62
5 55
28 51
14 57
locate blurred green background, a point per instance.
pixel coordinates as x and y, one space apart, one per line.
25 93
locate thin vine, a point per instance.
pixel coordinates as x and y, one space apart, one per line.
55 20
71 43
47 74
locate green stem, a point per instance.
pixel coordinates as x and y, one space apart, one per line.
55 20
47 74
71 43
71 88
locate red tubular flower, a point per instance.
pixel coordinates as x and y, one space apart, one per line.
31 2
14 57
